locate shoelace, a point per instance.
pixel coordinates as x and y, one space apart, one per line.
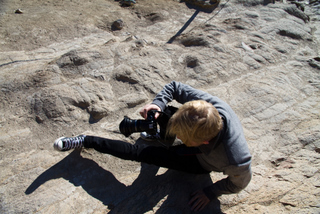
74 142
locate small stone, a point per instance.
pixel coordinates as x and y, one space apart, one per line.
117 25
39 119
18 11
127 3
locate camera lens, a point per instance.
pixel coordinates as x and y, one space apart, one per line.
128 126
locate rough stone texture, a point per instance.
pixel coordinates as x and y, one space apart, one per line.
64 72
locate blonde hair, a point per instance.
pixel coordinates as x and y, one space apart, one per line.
195 122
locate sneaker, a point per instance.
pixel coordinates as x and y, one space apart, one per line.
148 137
67 143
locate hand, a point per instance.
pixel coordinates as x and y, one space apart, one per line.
144 111
198 201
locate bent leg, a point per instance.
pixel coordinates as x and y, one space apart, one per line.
170 158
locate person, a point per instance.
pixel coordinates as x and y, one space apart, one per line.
212 136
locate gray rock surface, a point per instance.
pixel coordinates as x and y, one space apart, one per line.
65 72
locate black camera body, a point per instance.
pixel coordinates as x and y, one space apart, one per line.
128 126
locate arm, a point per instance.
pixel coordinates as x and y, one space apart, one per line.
181 93
173 91
231 184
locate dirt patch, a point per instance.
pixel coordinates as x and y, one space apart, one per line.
53 21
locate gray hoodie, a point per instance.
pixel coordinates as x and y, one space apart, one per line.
228 152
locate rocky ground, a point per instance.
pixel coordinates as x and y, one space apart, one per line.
65 70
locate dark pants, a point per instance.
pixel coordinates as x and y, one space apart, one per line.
179 157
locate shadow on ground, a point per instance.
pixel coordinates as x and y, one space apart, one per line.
197 11
172 189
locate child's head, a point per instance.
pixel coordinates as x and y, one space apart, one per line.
195 122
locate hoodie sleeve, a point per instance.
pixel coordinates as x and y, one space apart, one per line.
232 184
180 92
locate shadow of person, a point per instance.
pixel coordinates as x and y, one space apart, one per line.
164 193
95 180
168 192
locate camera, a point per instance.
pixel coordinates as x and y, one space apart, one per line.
128 126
